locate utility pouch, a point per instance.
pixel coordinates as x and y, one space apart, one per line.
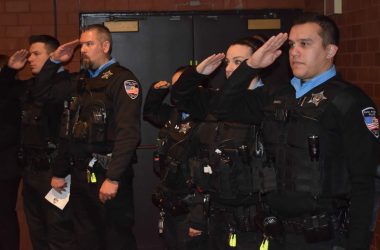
317 228
169 203
171 174
96 132
268 179
31 115
226 183
80 131
273 227
90 124
200 172
244 218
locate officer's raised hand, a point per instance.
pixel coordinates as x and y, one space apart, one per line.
207 66
161 85
268 53
64 52
108 190
18 59
194 232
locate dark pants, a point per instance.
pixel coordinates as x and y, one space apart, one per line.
102 226
220 234
176 235
296 241
9 183
9 228
49 227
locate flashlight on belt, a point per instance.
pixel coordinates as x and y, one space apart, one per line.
313 142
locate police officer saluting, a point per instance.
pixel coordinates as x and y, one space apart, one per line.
100 133
223 169
321 137
173 194
49 227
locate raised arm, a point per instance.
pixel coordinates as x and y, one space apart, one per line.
155 110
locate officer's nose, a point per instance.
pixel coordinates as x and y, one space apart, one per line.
293 52
82 49
229 70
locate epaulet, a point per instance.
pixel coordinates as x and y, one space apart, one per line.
346 97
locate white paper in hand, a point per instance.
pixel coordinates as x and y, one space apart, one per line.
60 199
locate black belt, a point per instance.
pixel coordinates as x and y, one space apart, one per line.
240 218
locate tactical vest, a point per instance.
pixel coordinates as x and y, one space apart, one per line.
304 151
174 149
225 164
39 131
88 118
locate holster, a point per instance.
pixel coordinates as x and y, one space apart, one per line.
170 203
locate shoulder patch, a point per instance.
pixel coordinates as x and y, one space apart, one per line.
132 88
371 121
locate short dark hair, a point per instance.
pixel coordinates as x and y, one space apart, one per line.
254 42
104 32
50 42
329 29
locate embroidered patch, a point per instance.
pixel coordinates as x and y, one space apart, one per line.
132 88
371 120
317 98
107 75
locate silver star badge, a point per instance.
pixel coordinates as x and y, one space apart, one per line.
317 98
107 75
184 128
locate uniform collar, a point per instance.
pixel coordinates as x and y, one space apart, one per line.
60 69
184 115
259 84
303 88
99 70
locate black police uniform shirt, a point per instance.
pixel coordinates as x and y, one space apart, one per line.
40 120
123 92
175 128
353 139
202 103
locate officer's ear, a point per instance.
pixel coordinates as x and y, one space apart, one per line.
332 49
106 46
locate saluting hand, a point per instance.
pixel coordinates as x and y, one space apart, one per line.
268 53
161 85
64 52
207 66
108 190
18 59
194 232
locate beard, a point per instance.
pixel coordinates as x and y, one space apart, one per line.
86 63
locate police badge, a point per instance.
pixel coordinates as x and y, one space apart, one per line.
132 88
371 121
107 75
184 128
317 98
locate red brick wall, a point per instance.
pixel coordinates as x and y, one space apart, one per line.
358 60
21 18
359 53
